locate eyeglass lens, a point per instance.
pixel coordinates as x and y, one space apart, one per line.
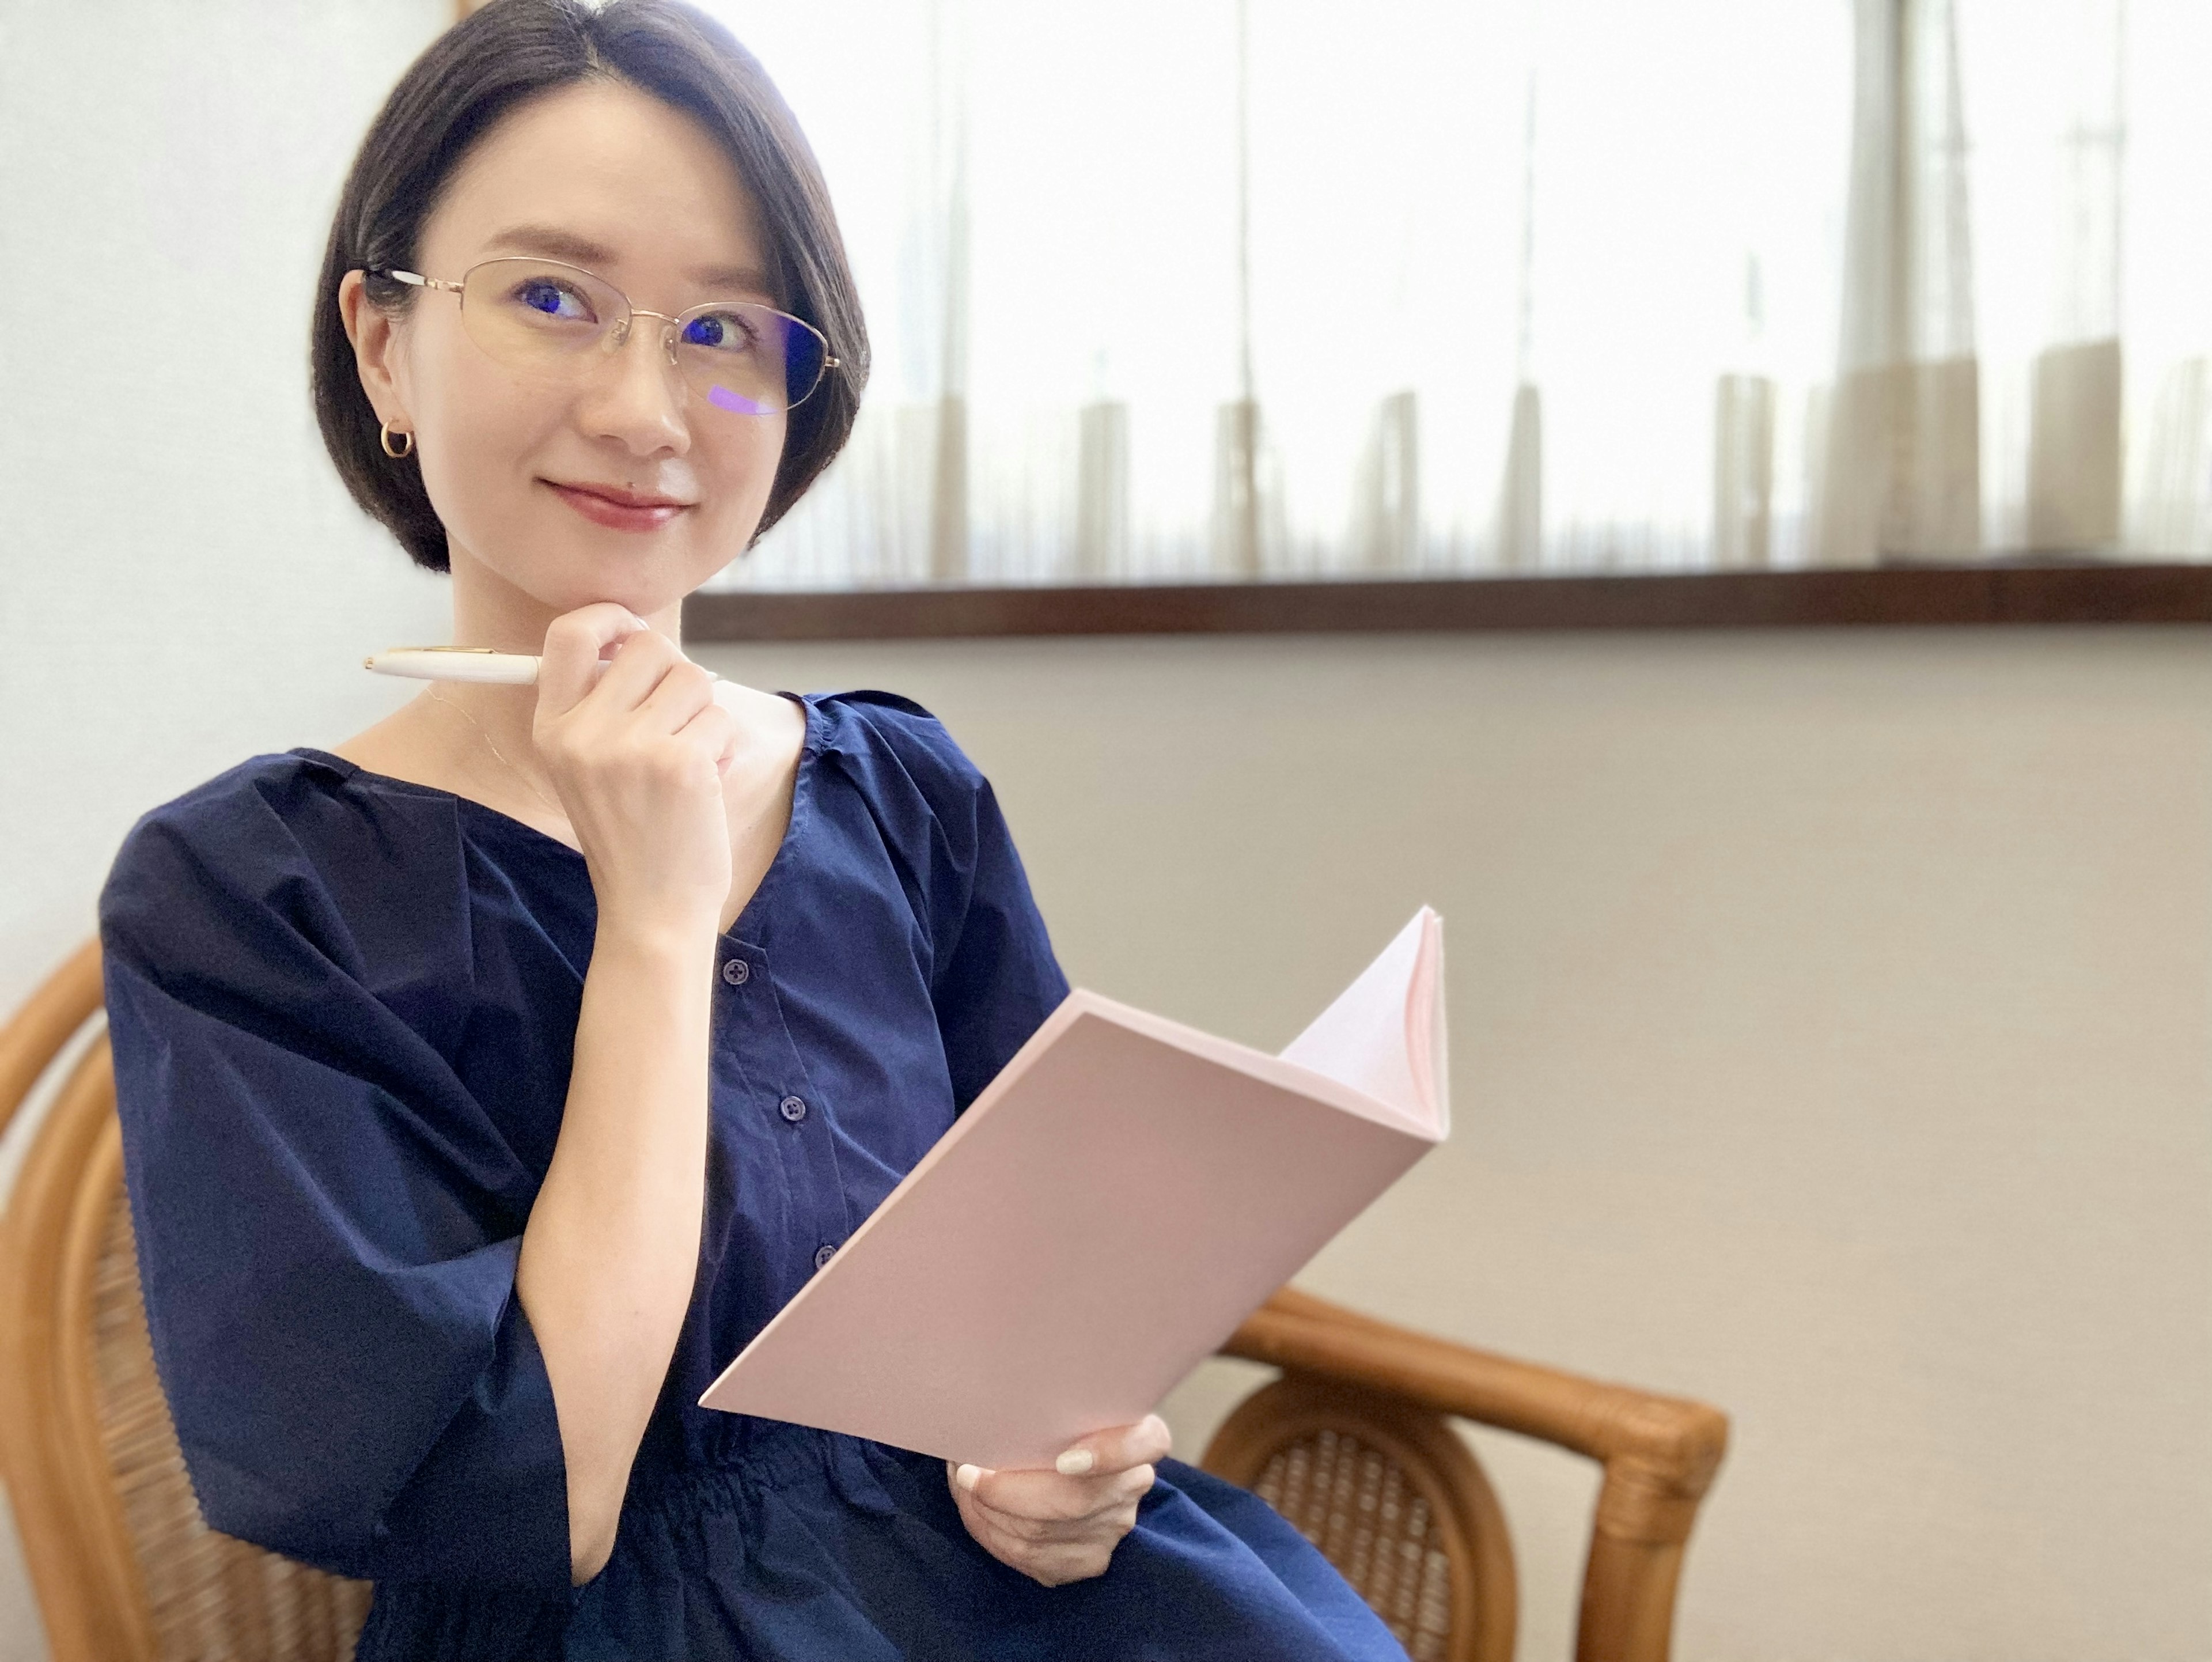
541 318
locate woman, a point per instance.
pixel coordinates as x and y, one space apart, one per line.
489 1081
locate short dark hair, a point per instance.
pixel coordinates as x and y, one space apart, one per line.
485 65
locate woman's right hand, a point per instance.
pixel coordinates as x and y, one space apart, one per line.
637 757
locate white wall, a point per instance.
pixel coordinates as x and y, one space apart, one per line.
182 578
1829 1010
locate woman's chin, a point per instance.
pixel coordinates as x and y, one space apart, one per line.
578 579
561 567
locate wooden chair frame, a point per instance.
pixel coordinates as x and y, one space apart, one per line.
69 1510
1386 1386
1659 1453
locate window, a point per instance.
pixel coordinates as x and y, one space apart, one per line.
1190 290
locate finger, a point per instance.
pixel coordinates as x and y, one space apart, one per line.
968 1478
712 731
569 665
685 689
1107 1525
1054 1561
634 671
1099 1499
1019 1499
1057 1565
1118 1449
1048 1498
1043 1558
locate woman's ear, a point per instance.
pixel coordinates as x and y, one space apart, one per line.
375 349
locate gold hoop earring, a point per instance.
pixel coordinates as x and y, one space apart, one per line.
384 437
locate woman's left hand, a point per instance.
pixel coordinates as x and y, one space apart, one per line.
1063 1525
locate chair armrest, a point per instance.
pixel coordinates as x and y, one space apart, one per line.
1659 1453
38 1030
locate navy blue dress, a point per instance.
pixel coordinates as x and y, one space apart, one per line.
343 1008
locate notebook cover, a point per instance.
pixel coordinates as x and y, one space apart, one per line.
1103 1216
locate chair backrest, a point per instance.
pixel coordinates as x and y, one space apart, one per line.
1392 1498
124 1568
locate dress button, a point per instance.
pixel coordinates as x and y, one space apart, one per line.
823 1254
792 1109
736 971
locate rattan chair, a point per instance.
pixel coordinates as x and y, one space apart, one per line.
1353 1443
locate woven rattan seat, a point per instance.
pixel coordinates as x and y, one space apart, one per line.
1392 1498
1353 1444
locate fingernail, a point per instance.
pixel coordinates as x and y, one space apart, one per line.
1075 1462
968 1477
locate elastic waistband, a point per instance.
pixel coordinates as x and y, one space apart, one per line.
762 1456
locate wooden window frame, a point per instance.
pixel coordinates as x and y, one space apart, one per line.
1994 591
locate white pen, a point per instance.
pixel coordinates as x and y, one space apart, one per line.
458 663
452 663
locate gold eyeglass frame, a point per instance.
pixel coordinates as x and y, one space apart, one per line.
618 333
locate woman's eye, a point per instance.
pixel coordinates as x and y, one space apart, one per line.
722 331
553 300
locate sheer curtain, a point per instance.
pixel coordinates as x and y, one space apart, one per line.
1260 288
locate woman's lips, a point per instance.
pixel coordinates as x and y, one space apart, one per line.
615 515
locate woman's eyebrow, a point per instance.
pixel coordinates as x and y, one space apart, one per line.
554 243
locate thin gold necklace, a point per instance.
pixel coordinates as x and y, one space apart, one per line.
432 692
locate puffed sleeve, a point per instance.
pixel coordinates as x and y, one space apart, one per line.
997 979
993 978
327 1219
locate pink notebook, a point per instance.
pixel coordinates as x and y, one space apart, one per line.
1118 1199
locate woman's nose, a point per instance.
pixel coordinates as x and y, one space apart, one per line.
641 397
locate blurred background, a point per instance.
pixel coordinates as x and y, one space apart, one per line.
1830 1008
1270 288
